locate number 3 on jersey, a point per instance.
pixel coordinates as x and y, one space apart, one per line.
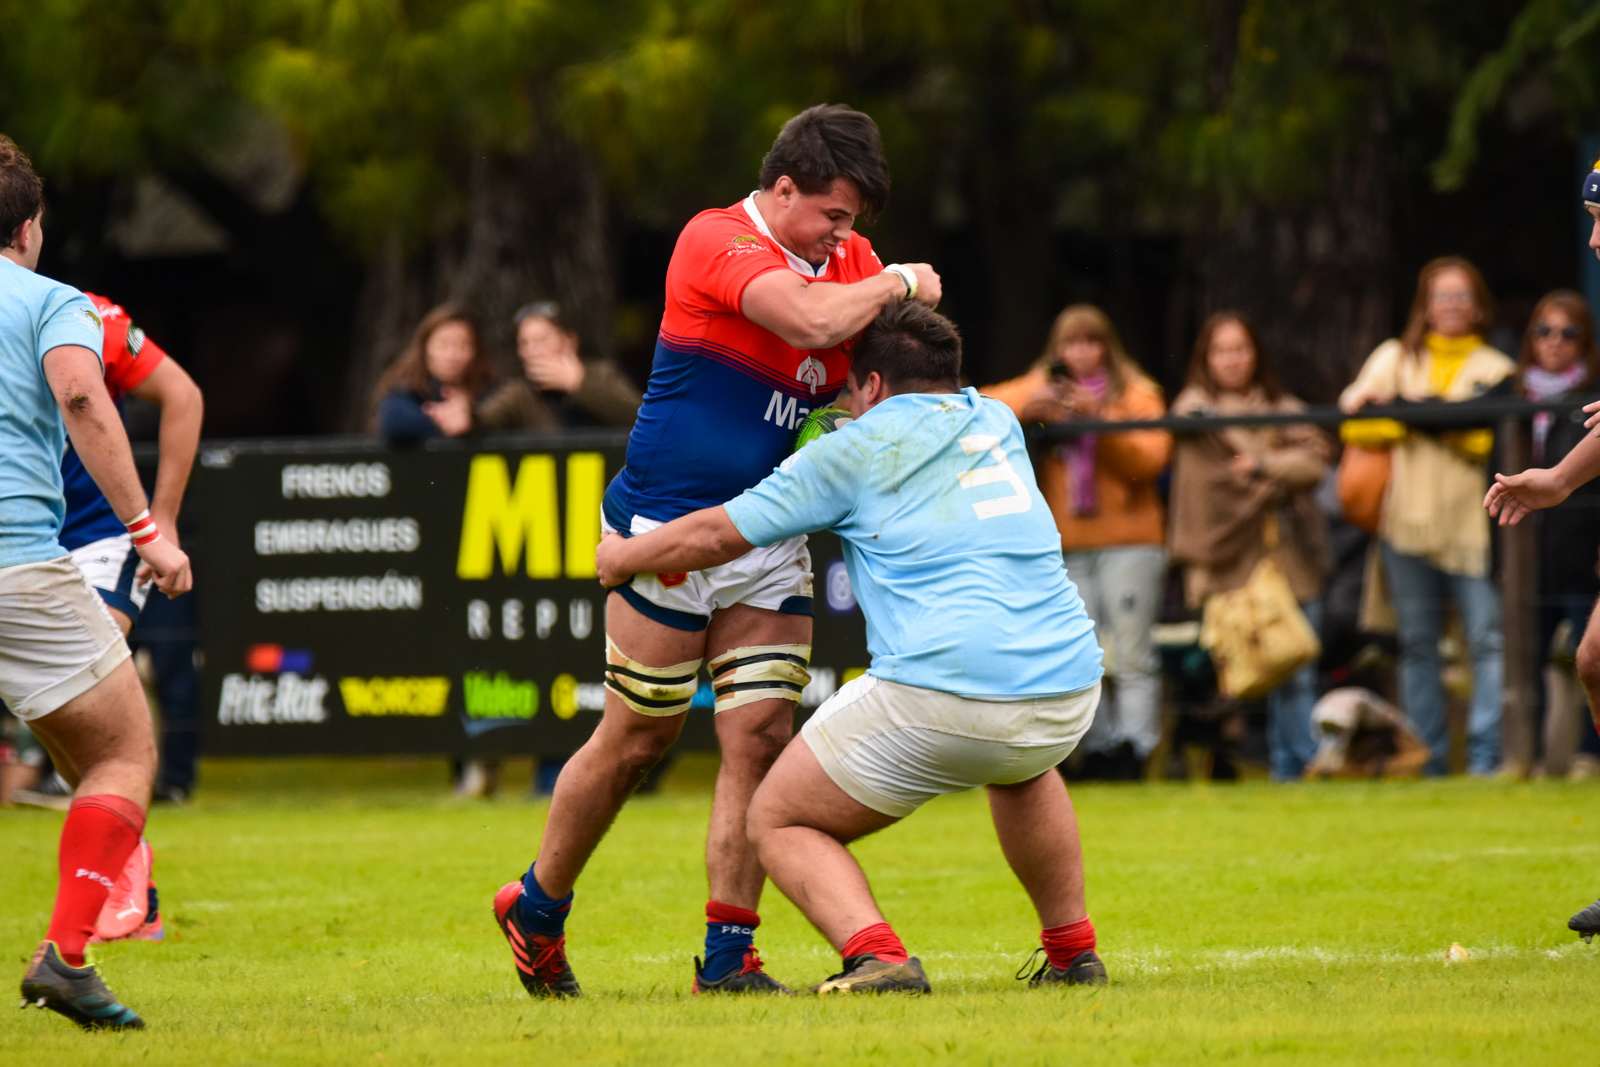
1019 499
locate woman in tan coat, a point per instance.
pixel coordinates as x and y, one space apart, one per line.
1102 491
1433 531
1239 495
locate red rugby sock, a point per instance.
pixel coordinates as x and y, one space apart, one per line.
100 834
879 940
1066 942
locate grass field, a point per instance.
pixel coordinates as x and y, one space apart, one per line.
332 912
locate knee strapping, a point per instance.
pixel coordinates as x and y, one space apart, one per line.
658 691
760 672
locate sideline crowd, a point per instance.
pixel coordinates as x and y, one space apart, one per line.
1388 554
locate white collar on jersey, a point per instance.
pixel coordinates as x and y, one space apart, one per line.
798 265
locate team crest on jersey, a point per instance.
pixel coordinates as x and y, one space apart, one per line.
744 244
91 318
811 373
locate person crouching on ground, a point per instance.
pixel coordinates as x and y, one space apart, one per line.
1239 495
985 670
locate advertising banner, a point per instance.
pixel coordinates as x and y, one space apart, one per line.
356 600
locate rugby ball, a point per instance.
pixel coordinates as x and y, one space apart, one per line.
819 422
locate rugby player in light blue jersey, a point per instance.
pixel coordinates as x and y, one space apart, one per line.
985 669
64 667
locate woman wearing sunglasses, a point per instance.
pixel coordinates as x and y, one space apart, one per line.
1560 359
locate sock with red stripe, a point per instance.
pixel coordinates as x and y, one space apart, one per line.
1067 942
877 940
100 834
539 912
730 932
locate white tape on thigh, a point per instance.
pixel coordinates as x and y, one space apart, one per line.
658 691
760 672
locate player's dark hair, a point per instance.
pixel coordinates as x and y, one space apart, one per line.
913 348
21 190
827 142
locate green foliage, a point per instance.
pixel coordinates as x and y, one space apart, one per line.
1558 36
338 912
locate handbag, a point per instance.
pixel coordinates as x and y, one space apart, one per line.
1257 635
1363 480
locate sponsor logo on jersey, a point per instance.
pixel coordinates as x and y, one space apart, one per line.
745 244
811 373
782 411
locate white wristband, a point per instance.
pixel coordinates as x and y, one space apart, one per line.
906 275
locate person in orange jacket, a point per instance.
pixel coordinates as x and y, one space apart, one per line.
1102 491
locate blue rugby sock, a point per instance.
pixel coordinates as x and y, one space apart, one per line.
730 932
541 913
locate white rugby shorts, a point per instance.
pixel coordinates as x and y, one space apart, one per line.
895 747
777 578
57 640
109 566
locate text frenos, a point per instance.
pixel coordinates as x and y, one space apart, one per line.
253 700
301 537
325 481
391 592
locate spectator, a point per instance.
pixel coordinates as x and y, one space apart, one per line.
1433 533
1240 494
432 387
1102 491
558 390
1559 360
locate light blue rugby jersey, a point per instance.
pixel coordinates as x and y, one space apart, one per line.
36 315
952 552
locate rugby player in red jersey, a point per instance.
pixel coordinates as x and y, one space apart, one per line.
764 299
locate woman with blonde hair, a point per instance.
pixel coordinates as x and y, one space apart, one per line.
432 388
1433 534
1241 495
1102 491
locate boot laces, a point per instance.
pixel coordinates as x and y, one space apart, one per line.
752 962
550 959
1023 972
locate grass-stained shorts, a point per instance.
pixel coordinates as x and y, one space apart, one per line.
894 747
57 640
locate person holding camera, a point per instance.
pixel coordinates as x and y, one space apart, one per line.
1102 491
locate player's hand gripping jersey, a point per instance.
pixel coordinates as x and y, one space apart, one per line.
129 357
725 394
952 552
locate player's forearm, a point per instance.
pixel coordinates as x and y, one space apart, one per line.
1580 465
813 315
701 539
179 438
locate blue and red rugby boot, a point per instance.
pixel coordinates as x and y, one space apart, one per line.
750 977
541 961
75 992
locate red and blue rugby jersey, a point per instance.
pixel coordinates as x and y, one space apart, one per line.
128 357
725 395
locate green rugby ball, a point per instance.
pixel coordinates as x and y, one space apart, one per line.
819 422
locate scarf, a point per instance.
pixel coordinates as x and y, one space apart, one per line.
1448 353
1077 457
1540 384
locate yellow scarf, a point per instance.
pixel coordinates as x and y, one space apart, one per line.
1448 354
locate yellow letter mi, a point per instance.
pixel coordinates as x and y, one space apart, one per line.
496 516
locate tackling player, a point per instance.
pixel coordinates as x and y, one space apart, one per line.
1512 497
64 666
762 300
985 669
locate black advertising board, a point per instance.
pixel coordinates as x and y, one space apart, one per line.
357 600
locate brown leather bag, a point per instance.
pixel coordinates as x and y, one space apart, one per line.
1363 479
